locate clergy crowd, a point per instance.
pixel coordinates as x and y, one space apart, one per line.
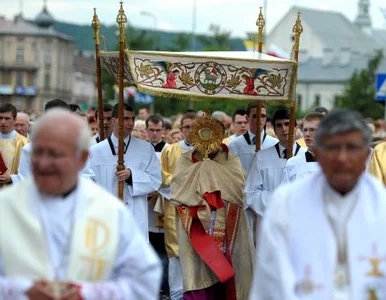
234 223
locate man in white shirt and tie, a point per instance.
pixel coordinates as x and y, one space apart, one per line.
300 166
268 166
243 146
142 175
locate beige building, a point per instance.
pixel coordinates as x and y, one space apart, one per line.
36 62
332 48
84 90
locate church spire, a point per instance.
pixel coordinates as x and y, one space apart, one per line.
363 20
44 19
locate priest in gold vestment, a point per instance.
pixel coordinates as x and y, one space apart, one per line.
378 162
215 244
11 143
169 159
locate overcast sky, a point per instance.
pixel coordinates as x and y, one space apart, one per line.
237 16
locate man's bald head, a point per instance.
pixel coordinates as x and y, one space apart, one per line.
58 152
22 123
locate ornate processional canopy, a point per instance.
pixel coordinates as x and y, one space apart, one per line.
207 75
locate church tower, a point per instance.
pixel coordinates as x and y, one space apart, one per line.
363 20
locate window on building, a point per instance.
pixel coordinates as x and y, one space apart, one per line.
20 55
7 77
299 101
47 55
30 79
47 81
317 100
19 78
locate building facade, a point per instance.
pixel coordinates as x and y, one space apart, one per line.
84 92
36 62
332 48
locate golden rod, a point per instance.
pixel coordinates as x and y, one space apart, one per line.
297 31
95 24
121 20
260 26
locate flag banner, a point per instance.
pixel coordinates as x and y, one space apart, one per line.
210 75
111 61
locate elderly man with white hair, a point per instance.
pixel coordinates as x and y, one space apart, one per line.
22 123
25 161
64 237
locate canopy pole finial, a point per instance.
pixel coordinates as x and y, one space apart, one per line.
121 20
260 23
95 24
297 31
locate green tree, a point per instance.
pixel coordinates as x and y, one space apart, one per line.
359 92
137 39
218 41
181 43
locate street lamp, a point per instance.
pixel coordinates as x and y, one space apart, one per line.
155 25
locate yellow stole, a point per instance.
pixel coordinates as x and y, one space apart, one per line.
169 158
11 150
23 245
378 162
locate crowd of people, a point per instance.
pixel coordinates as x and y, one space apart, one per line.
232 223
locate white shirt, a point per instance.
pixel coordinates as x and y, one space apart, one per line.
136 272
297 167
10 135
153 215
296 232
246 151
145 170
265 176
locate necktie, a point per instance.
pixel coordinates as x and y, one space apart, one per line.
254 140
285 153
310 157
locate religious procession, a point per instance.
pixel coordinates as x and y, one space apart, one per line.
122 202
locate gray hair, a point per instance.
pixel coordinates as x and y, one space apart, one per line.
342 121
83 142
219 115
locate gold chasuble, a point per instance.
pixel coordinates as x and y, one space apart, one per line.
169 158
378 162
11 151
213 231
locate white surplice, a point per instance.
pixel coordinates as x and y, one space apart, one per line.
244 148
136 270
297 254
145 170
297 167
25 166
153 215
265 176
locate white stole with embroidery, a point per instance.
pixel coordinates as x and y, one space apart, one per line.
313 246
94 241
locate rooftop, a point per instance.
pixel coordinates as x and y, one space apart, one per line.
19 26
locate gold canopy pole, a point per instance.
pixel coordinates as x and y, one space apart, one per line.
96 26
260 25
121 20
297 31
